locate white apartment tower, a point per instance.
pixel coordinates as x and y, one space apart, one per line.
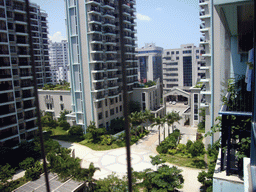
17 109
181 67
94 43
58 54
150 63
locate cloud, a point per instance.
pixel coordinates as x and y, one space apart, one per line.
57 37
159 9
143 17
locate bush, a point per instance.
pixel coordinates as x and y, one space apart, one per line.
27 163
106 140
197 148
182 148
172 151
116 125
189 143
34 172
64 124
76 130
169 142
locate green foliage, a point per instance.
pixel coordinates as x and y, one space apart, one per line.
201 124
48 121
172 151
27 163
134 106
34 172
6 173
116 125
157 160
62 86
111 183
76 130
182 148
64 124
170 142
197 148
106 139
63 115
95 133
198 85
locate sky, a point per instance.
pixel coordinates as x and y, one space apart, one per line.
167 23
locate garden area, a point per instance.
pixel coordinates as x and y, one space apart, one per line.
97 138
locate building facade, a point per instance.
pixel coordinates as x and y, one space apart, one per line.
94 42
150 63
58 54
18 117
54 101
181 67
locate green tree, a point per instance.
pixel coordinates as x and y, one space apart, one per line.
134 106
197 148
48 121
6 173
27 163
34 172
171 118
158 121
76 130
95 132
63 115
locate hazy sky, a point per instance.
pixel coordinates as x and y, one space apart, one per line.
167 23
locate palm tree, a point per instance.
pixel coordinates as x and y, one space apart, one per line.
91 171
135 118
171 118
158 121
147 116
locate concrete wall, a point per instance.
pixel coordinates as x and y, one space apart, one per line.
56 101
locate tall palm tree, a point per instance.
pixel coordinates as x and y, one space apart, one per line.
158 121
148 116
171 118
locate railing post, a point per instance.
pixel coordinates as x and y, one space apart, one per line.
228 150
223 140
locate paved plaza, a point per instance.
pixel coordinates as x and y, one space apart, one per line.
115 160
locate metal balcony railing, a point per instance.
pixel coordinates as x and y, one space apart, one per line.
236 114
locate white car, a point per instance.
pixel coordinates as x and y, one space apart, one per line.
174 102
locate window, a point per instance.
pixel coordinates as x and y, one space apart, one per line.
143 106
121 108
116 109
177 58
48 106
177 52
195 98
112 112
106 102
172 52
116 99
174 63
99 104
168 58
61 107
61 98
143 96
120 98
197 57
111 101
187 52
100 116
106 114
167 53
197 51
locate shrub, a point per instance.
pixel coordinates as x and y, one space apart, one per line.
27 163
181 148
76 130
189 143
197 148
34 172
106 140
172 151
64 124
116 125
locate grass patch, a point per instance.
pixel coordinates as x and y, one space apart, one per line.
60 134
201 130
183 161
99 147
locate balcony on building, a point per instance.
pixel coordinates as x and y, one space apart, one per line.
108 14
94 2
99 97
108 5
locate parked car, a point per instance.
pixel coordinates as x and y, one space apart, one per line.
186 103
174 102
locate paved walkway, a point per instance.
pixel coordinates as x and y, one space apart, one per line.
115 160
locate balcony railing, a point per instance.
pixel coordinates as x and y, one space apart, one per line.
235 127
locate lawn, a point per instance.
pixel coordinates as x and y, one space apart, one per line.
98 146
62 135
183 161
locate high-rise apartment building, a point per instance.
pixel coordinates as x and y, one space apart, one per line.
150 63
181 67
93 30
58 54
17 109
